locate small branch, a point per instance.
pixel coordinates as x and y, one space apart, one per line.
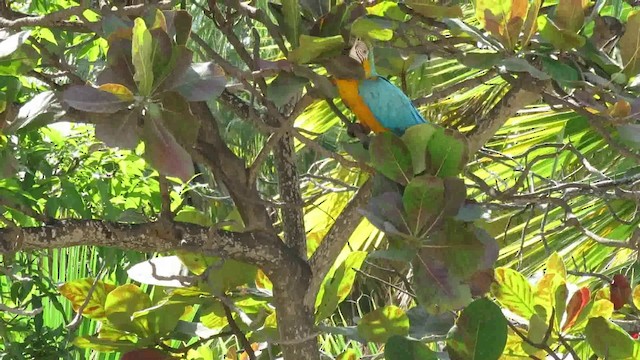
20 312
238 333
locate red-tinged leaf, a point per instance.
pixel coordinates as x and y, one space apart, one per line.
144 354
503 19
163 151
171 77
90 99
620 291
76 291
201 82
182 22
177 117
120 67
578 301
121 91
121 131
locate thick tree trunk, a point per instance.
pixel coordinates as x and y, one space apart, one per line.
296 322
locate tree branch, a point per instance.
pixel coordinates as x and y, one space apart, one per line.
335 240
516 99
261 248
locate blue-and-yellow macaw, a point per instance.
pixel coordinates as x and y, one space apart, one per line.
377 103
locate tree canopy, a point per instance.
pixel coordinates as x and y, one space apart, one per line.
181 180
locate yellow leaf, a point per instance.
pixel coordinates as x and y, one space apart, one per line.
121 91
620 109
629 45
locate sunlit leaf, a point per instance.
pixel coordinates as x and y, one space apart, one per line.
629 45
513 291
120 305
142 57
337 286
78 290
381 324
312 47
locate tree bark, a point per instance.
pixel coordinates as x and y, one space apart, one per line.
296 321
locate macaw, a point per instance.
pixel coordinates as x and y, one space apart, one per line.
376 102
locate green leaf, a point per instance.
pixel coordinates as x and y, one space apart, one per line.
337 286
179 120
423 201
481 60
432 10
213 316
292 20
608 340
383 323
416 138
480 332
164 316
142 56
106 345
230 275
374 28
561 39
629 45
513 291
312 48
16 56
401 348
448 153
522 65
122 303
391 157
564 74
285 89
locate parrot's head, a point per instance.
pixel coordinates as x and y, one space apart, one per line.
361 53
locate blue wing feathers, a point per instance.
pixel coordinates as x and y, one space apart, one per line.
391 107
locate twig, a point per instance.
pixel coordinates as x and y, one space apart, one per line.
238 333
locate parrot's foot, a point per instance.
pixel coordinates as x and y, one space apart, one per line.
360 131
